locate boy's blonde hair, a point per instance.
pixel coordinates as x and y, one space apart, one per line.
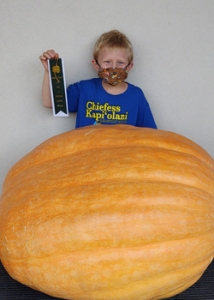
113 39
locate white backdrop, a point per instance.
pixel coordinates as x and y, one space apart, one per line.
173 43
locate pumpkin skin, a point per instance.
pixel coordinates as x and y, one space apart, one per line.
109 213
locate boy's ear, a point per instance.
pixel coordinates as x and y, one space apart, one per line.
130 66
95 65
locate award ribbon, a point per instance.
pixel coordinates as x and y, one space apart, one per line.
58 87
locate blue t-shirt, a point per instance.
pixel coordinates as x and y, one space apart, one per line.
94 105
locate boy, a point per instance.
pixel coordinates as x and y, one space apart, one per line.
108 99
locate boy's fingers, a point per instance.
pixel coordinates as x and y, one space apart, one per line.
49 54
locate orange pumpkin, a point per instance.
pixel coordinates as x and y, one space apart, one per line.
109 212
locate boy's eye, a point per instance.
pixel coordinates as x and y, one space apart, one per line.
121 63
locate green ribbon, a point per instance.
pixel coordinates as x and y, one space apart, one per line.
58 87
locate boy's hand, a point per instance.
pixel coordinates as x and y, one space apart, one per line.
48 55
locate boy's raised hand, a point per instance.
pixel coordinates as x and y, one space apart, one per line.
49 54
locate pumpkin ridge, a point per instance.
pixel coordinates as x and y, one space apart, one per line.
176 185
95 182
208 173
144 247
143 185
189 279
180 287
40 152
108 251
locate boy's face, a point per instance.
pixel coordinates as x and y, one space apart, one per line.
113 58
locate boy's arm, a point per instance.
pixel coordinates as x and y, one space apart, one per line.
46 94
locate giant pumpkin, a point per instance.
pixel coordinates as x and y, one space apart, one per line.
109 213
